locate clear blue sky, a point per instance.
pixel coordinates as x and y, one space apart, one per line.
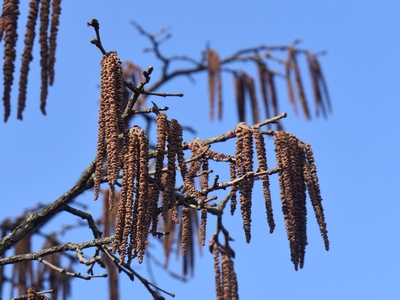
356 149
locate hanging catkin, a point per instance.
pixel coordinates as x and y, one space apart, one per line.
27 55
9 22
214 82
110 121
262 166
44 52
244 164
55 21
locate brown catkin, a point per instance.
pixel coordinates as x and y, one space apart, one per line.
296 159
162 130
218 286
262 166
290 160
226 278
240 96
232 171
44 52
311 178
263 79
188 186
168 239
315 86
244 164
27 55
185 228
125 206
214 82
205 176
272 90
169 192
9 22
321 80
285 191
55 21
288 70
233 281
100 149
110 121
253 98
203 226
144 217
299 84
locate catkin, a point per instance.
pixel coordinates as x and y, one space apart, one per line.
253 98
214 82
288 70
319 105
144 217
203 226
262 166
217 269
311 178
263 79
9 22
27 55
244 164
169 192
44 52
162 130
185 229
240 96
299 84
110 121
233 195
55 21
290 160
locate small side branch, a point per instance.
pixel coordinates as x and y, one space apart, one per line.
65 272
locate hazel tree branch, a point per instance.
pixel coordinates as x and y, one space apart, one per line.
36 220
59 248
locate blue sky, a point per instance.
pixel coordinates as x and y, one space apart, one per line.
355 149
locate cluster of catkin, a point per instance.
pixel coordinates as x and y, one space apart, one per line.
298 174
245 86
47 41
135 209
241 168
226 285
317 79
